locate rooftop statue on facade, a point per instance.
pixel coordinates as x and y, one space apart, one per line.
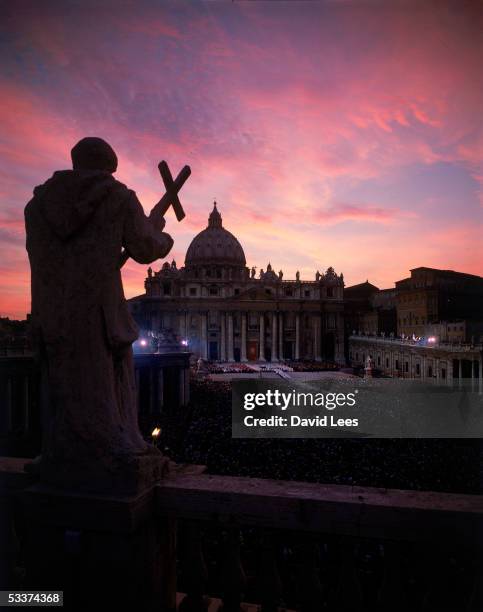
82 225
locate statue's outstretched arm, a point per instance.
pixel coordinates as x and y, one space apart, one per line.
143 238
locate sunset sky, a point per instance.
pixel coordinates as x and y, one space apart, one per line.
330 133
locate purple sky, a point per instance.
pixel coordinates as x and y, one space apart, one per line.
331 134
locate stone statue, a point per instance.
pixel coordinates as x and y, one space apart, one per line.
280 274
77 224
297 276
317 276
368 367
253 272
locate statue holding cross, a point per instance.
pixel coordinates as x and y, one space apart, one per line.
82 225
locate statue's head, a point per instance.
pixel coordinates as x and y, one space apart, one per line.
93 153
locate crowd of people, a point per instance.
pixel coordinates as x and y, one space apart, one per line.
202 435
305 365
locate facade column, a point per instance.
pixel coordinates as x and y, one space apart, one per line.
280 336
423 368
317 355
460 373
437 367
274 337
222 336
203 338
472 374
182 325
243 351
261 348
231 356
297 336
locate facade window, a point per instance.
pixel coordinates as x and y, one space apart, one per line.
330 292
307 293
443 373
357 356
193 291
268 292
218 274
418 369
167 288
213 290
406 366
387 362
397 364
379 360
289 292
430 372
237 291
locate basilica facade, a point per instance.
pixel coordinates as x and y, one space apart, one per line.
224 311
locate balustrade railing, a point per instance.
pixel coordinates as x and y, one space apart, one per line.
305 546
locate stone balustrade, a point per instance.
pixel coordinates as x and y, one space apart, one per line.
280 544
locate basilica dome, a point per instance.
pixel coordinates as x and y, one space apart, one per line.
215 245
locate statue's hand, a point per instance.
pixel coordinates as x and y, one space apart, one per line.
157 220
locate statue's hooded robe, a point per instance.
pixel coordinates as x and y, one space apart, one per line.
77 223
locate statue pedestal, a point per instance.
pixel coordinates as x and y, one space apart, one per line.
105 553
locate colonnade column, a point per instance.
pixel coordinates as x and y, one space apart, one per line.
203 338
231 356
274 337
317 355
280 335
261 348
297 336
223 337
243 352
437 366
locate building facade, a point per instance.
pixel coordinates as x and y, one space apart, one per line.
430 296
441 363
223 311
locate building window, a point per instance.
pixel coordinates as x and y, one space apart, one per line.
397 364
237 291
406 366
218 274
213 290
430 371
167 288
443 373
387 362
193 291
268 291
379 361
289 292
307 293
418 369
330 292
